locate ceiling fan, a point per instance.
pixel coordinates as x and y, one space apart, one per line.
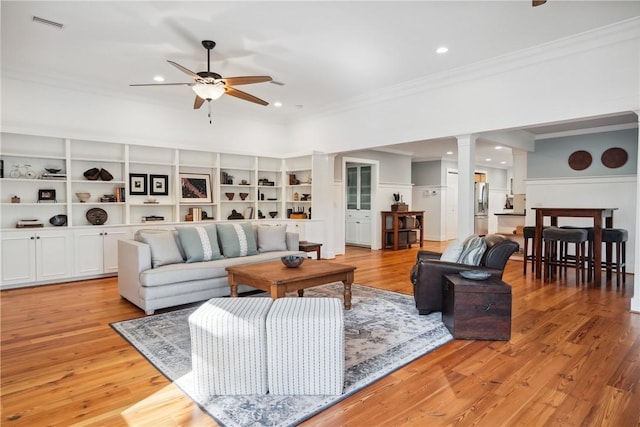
536 3
209 85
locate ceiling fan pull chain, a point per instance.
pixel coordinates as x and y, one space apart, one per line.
209 102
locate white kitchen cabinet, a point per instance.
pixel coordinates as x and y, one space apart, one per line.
34 256
96 250
358 228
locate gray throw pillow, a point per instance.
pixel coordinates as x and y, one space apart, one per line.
472 250
272 238
200 243
162 243
237 239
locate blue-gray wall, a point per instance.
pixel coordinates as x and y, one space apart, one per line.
550 158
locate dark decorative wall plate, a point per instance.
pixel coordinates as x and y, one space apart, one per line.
614 157
580 160
97 216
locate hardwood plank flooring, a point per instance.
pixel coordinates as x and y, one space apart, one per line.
573 360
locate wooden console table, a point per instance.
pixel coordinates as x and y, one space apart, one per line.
397 230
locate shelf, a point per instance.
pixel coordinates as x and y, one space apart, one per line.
96 203
94 182
93 160
150 204
33 156
33 204
33 180
144 162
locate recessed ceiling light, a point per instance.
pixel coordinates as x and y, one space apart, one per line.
277 104
487 159
498 147
442 49
449 152
503 162
158 78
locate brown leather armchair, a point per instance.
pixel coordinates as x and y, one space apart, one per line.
427 275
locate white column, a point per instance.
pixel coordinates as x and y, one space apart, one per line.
635 301
519 171
466 169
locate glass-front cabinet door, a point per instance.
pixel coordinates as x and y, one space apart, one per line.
359 187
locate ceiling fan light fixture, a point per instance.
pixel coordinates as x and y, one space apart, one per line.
209 91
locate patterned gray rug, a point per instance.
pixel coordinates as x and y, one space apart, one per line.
383 332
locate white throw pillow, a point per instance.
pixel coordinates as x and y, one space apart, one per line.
272 238
452 251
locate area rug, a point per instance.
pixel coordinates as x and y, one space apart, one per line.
383 332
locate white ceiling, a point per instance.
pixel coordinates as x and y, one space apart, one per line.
324 52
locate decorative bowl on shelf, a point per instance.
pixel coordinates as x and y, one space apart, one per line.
92 174
230 195
53 170
273 214
58 220
83 197
292 261
243 195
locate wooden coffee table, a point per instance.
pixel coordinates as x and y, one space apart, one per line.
277 279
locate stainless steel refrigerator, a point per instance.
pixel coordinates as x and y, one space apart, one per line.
481 208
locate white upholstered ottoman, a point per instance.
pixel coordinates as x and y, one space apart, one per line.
305 346
229 346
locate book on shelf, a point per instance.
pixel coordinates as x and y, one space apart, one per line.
29 223
119 194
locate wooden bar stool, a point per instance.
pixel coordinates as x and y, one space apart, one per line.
556 245
529 233
589 253
618 237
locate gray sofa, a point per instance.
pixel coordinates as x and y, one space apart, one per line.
165 268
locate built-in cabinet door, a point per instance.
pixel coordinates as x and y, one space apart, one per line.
30 256
358 228
18 258
97 250
89 252
111 237
53 255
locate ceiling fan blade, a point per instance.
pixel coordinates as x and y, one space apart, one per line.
535 3
198 102
184 70
162 84
243 95
235 81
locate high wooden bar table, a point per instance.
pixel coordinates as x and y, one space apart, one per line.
596 213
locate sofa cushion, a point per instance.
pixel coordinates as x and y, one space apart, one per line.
452 251
163 246
473 248
237 239
200 243
272 238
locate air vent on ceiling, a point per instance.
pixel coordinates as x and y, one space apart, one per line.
47 22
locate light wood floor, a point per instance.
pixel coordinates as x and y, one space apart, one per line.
573 359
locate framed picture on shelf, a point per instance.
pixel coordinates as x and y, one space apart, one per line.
47 196
195 188
137 184
159 185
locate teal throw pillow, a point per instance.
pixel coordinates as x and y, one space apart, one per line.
237 239
272 238
473 248
200 243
